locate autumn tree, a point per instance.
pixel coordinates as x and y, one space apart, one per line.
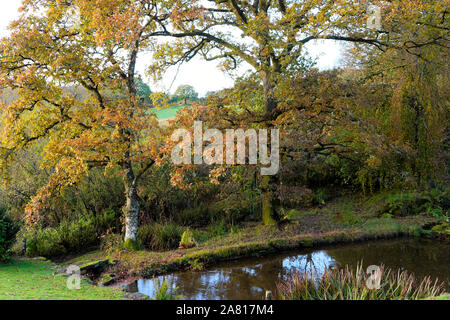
93 45
186 92
269 36
417 76
56 45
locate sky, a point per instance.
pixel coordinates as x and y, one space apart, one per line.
204 76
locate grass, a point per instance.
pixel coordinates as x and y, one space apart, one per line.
350 284
34 280
445 296
165 290
168 113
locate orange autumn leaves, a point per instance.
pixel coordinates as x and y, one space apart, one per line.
72 67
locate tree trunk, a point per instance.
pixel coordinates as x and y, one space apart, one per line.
132 214
132 206
270 103
270 203
131 209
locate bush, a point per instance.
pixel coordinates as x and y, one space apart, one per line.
187 240
216 230
111 242
400 205
348 284
233 211
69 237
442 230
45 242
8 231
297 196
108 221
158 236
95 195
321 196
77 236
434 202
166 236
145 235
198 216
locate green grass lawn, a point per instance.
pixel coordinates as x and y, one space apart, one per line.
445 296
34 280
167 113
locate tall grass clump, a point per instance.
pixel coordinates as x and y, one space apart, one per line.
159 236
350 284
164 290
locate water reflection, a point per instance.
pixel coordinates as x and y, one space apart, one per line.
250 278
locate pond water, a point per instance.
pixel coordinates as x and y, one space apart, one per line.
250 278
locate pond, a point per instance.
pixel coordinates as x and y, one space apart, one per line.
250 278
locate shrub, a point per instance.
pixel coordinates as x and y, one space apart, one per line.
158 236
78 235
110 242
108 220
187 240
321 196
145 235
45 242
400 205
69 237
216 230
95 195
197 216
233 211
435 202
296 196
442 230
8 231
348 284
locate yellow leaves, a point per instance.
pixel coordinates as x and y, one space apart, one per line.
67 172
160 100
68 64
217 173
111 20
374 162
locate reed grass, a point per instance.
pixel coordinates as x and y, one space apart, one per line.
352 284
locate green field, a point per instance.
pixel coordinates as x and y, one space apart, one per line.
34 280
167 113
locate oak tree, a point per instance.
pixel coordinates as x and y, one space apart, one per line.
92 46
269 36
